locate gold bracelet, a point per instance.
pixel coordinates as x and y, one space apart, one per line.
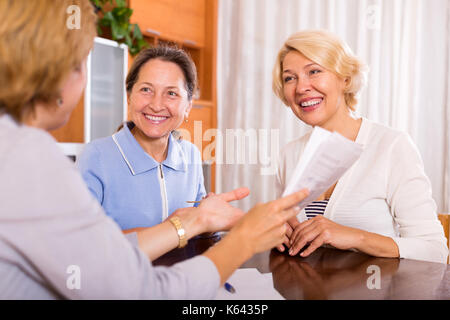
180 231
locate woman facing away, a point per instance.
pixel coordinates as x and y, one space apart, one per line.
383 204
143 173
50 224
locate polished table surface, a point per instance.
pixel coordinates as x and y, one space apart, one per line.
336 274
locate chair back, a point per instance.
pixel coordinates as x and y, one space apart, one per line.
445 220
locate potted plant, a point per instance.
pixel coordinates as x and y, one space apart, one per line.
114 19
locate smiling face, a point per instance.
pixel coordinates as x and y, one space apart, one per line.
158 101
315 94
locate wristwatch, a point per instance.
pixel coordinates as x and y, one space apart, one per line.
180 231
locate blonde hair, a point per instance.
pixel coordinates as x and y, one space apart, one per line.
330 52
38 50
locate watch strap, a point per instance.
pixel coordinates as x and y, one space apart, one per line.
180 231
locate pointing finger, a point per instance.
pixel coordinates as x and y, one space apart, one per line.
291 200
236 194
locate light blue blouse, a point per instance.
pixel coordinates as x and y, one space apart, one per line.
133 188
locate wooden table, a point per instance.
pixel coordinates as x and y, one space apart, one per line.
336 274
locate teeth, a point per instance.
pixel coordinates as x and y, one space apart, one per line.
310 103
155 118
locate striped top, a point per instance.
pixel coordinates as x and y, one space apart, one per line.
315 208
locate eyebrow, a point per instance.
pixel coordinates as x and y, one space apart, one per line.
308 65
150 84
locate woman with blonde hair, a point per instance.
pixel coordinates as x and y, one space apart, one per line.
55 239
382 205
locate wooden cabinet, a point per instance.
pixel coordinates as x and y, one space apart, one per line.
198 123
191 25
182 21
73 130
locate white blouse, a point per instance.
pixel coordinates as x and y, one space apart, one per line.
385 192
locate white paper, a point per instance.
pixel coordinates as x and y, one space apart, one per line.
327 156
250 284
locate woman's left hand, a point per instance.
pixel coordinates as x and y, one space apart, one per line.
319 231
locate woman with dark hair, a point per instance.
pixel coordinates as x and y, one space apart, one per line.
142 173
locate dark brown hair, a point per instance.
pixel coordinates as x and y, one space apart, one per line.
169 54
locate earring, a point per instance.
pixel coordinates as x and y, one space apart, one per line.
59 102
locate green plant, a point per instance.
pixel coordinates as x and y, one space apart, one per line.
118 20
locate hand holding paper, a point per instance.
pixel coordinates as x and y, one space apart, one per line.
326 157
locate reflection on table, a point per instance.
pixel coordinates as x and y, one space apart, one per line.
195 246
336 274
